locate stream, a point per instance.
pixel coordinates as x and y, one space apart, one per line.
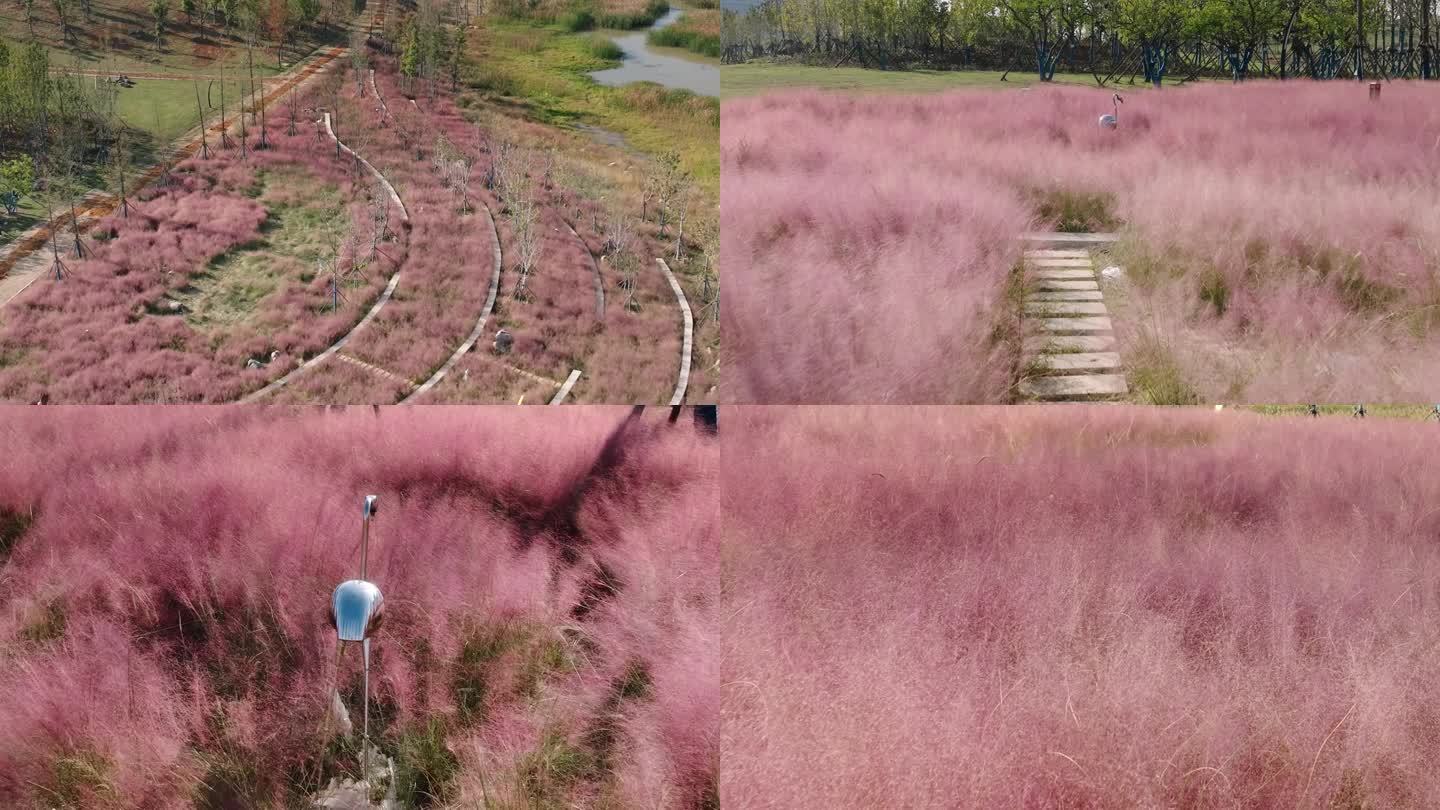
642 64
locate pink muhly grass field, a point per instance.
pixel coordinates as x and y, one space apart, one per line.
483 374
1079 607
165 577
447 275
858 273
633 357
869 231
104 335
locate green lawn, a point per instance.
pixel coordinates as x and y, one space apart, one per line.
25 219
167 109
759 77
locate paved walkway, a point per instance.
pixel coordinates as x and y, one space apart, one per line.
1073 357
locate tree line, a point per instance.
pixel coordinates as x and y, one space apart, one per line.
42 113
1110 39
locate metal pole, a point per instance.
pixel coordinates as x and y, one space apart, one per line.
1425 39
365 543
1359 41
365 737
369 512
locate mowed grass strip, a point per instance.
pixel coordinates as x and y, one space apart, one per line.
167 109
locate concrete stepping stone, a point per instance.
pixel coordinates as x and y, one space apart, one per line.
1066 295
1066 284
1079 386
1070 343
1060 262
1074 356
1070 238
1066 274
1053 308
1095 323
1080 361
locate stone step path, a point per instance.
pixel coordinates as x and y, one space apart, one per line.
1068 239
1073 357
410 385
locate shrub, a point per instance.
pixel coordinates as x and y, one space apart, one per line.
578 20
1215 290
1155 376
425 767
1077 211
605 48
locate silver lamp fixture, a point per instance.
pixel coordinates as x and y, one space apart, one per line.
356 611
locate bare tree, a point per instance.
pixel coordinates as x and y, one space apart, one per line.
440 158
670 183
709 283
204 141
252 32
459 179
627 264
57 190
331 90
525 224
62 12
379 217
358 138
224 109
501 169
118 168
292 105
682 213
359 60
618 249
619 229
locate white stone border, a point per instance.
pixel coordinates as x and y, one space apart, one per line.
688 321
565 389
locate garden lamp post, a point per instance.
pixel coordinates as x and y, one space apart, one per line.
356 610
